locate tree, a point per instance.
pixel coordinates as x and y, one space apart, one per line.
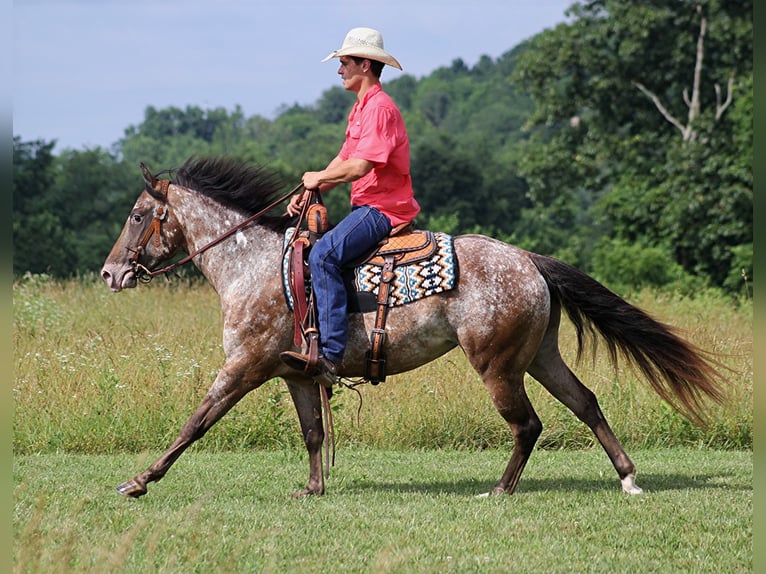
40 242
447 181
95 194
622 72
688 131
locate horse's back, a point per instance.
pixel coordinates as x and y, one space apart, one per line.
494 271
501 302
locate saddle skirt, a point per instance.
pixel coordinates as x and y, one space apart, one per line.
424 265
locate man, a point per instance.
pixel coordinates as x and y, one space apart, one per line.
375 159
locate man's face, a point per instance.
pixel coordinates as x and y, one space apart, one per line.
351 72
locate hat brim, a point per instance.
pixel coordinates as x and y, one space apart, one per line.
369 52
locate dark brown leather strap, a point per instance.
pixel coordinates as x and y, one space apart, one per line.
376 357
312 338
329 430
298 288
227 234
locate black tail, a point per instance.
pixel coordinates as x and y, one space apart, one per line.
677 370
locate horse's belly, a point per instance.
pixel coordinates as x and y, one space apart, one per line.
415 334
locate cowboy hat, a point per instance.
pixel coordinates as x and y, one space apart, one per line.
365 43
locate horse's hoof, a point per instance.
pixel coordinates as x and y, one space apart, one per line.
497 491
132 488
307 492
629 484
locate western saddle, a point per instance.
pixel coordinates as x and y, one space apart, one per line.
403 246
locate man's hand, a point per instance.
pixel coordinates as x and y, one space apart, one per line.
311 180
296 204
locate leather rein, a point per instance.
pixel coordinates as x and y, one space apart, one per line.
155 227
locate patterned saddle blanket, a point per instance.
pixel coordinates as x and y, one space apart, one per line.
436 272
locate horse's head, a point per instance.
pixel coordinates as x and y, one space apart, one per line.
150 236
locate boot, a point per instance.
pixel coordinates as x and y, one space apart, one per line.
325 372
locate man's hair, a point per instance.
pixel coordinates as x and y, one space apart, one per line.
375 67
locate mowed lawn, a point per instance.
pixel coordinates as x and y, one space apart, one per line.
104 383
386 511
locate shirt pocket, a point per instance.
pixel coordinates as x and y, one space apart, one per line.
354 131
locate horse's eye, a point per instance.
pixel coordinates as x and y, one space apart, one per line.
136 218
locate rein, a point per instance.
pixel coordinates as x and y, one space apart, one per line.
160 213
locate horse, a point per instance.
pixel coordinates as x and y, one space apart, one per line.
504 314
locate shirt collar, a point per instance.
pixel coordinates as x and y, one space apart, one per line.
370 93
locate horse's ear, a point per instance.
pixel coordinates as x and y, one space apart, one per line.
149 179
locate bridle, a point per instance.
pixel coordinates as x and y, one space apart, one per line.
160 192
154 229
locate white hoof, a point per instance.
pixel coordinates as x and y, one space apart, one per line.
483 495
629 485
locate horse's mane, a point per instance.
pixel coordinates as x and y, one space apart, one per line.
235 183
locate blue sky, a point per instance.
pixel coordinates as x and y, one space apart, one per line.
84 70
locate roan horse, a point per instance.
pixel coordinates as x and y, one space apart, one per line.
504 314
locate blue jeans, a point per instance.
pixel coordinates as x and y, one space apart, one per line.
354 237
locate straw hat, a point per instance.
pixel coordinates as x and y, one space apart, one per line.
365 43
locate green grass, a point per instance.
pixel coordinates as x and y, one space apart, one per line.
104 382
103 373
386 511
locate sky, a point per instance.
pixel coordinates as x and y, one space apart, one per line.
85 70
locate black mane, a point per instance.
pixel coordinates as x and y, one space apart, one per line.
235 183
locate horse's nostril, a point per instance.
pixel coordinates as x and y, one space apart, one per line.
105 275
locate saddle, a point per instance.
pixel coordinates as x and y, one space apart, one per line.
403 246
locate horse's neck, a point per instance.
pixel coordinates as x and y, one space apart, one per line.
251 252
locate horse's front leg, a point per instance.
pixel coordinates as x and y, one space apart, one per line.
308 403
232 383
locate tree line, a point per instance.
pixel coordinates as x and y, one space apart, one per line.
619 141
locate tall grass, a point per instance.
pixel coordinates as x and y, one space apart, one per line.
97 372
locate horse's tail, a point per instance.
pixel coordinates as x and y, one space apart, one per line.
681 373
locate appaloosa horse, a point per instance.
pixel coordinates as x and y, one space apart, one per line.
504 314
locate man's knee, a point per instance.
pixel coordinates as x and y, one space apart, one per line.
321 255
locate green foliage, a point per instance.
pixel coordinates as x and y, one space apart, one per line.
594 132
625 266
68 209
740 277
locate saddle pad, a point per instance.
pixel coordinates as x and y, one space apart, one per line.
437 274
414 281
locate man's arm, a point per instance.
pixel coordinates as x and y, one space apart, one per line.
337 171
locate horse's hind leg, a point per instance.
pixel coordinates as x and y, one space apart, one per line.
549 369
512 403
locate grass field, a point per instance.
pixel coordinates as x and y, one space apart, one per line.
104 382
103 373
387 511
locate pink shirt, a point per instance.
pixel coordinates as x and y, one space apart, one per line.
376 133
